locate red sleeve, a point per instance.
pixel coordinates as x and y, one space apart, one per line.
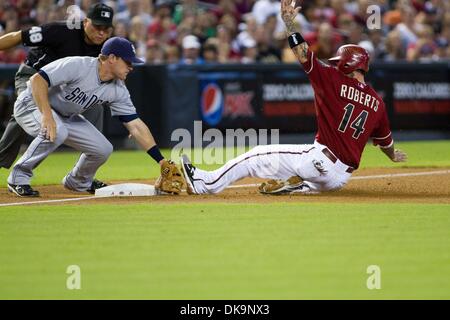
319 73
382 134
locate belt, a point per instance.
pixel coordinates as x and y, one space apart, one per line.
333 159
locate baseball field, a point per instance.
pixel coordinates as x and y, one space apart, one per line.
391 218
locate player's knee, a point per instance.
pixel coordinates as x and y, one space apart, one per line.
61 134
105 150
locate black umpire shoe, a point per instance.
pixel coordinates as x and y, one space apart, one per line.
23 190
96 184
188 172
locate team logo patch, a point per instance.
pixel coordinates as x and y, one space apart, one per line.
211 104
105 14
318 164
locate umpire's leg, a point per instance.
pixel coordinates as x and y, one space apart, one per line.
10 143
14 136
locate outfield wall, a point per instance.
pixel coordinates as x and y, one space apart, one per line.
276 96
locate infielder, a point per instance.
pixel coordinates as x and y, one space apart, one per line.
50 110
50 42
349 112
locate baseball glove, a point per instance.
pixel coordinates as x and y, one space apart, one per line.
170 181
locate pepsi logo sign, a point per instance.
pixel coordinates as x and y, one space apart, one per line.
211 105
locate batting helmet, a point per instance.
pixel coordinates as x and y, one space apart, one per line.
351 57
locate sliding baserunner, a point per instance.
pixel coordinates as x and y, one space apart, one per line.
349 112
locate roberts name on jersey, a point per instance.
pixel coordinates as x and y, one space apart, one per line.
353 94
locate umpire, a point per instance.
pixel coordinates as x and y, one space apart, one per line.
51 42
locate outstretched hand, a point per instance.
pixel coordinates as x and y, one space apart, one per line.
289 11
399 156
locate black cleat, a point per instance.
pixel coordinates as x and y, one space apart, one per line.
188 172
23 190
96 184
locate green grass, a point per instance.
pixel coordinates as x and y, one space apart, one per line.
216 251
226 251
132 165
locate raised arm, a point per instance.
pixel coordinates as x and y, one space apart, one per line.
289 11
10 40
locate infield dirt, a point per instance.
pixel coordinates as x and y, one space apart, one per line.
433 188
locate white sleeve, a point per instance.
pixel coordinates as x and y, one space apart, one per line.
65 70
122 105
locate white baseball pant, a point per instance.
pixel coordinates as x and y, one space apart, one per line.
307 161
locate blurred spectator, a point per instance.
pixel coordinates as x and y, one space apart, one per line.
205 25
424 48
121 30
249 51
322 12
210 53
265 8
407 28
377 39
155 52
162 28
349 29
415 29
325 42
394 47
338 7
138 35
229 22
186 8
14 55
172 54
191 51
226 51
134 8
269 28
247 30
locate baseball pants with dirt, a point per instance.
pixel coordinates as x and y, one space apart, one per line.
314 163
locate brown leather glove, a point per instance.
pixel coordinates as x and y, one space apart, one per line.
171 181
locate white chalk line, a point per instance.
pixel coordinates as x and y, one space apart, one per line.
380 176
49 201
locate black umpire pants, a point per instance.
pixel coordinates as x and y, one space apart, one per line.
14 136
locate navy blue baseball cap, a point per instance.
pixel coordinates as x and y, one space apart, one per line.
120 47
